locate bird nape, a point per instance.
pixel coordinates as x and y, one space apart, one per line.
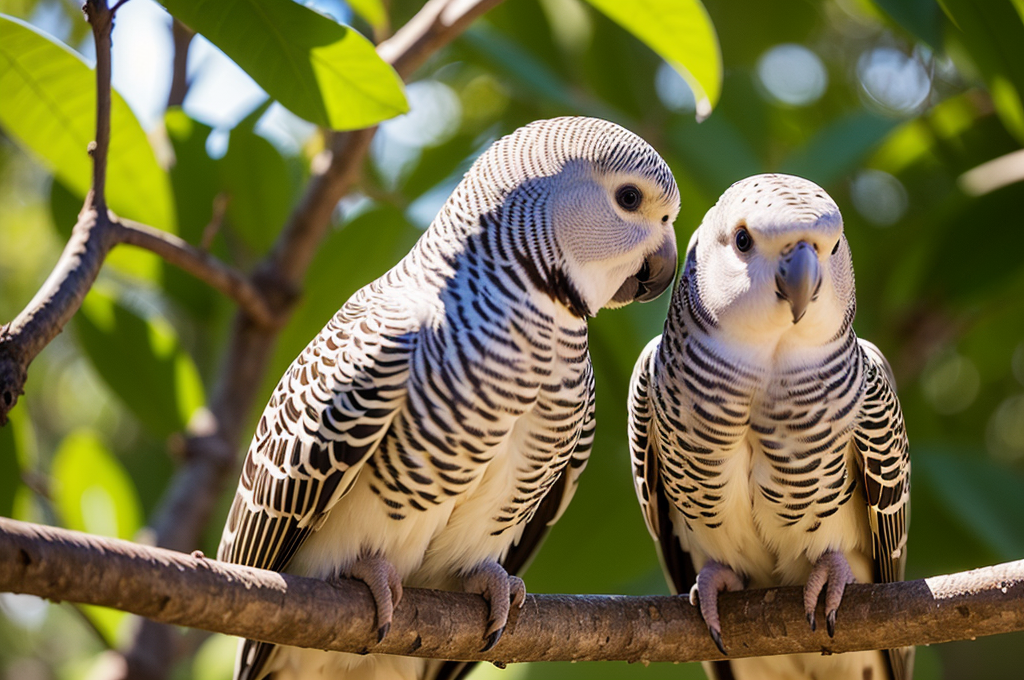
438 425
768 446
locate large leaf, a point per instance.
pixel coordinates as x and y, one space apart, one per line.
196 182
372 11
837 149
922 18
93 493
681 32
993 35
91 490
258 188
49 105
141 361
320 70
983 498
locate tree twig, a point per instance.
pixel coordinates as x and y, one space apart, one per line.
199 264
202 593
101 18
182 36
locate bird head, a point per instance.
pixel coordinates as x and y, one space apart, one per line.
588 208
770 260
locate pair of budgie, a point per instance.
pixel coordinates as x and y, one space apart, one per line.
438 425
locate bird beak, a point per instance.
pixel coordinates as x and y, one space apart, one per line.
799 278
656 274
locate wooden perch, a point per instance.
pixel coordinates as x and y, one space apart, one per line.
191 590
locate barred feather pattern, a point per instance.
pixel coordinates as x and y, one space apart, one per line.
432 417
765 466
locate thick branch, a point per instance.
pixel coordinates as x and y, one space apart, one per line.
53 305
202 593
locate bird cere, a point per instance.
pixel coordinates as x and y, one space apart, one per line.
438 425
768 445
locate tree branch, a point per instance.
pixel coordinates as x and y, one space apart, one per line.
194 591
182 36
101 18
200 264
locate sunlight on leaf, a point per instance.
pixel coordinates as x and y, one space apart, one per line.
322 71
140 359
49 105
681 32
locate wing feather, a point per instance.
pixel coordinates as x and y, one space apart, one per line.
327 415
884 455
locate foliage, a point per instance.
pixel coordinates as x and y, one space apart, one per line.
894 106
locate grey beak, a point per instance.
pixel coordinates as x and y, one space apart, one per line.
799 278
656 274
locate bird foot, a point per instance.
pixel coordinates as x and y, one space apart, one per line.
385 585
832 569
505 594
714 577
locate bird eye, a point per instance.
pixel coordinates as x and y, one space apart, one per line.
835 248
743 240
629 197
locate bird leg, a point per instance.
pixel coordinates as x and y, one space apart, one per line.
504 592
385 585
713 578
833 569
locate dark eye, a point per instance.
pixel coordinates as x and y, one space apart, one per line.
743 240
835 249
629 197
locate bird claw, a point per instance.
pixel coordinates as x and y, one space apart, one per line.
714 577
505 594
832 570
385 584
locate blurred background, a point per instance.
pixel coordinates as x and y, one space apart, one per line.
911 121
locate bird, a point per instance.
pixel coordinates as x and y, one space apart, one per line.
767 444
436 428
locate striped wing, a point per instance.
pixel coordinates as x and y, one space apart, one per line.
675 562
327 415
527 544
881 440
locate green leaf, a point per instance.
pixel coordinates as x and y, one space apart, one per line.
91 489
838 148
438 163
681 32
320 70
372 11
140 359
258 186
531 73
921 18
993 35
982 497
196 181
49 105
93 493
10 469
715 154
